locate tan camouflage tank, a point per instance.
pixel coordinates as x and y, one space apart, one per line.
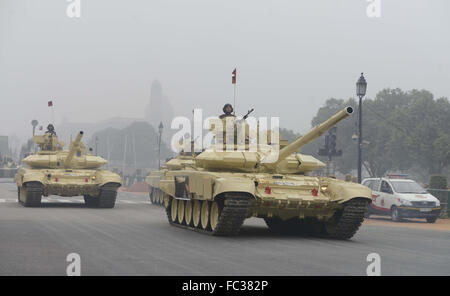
73 172
225 187
183 161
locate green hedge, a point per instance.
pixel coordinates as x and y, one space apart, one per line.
438 182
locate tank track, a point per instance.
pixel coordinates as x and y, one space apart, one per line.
33 195
348 221
344 225
107 197
105 200
232 216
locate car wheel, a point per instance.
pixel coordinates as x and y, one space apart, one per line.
395 214
431 219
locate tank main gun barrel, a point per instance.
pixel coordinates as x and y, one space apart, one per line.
313 134
73 147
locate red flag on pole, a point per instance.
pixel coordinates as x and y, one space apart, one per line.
50 103
233 78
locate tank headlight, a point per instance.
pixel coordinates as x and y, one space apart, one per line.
438 203
93 177
323 188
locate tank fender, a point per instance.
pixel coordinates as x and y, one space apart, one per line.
341 192
109 177
223 185
32 177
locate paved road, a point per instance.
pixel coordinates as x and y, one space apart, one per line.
134 238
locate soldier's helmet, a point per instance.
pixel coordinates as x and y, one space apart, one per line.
225 108
50 127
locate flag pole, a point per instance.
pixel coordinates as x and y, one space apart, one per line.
234 81
53 115
234 103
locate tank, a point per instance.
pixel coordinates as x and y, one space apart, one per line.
224 188
8 167
73 172
183 161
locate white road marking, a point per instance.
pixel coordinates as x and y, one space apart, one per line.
2 200
127 201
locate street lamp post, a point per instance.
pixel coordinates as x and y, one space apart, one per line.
34 123
361 86
160 129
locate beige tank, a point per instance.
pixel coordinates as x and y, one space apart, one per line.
73 172
183 161
225 187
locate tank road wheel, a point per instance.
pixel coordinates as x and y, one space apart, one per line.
206 207
107 197
196 213
31 194
165 200
91 201
180 214
188 213
156 195
230 212
214 215
160 197
346 222
150 194
174 210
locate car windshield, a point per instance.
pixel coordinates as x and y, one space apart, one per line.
407 187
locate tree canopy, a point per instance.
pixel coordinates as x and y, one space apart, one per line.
404 131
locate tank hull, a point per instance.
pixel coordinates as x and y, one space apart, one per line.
283 199
67 182
99 187
155 193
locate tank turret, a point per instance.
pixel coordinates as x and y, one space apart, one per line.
52 155
267 159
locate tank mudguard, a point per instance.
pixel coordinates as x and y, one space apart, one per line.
344 191
223 185
109 177
31 177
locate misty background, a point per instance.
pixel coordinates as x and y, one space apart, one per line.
291 56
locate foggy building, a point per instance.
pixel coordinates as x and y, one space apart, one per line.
4 146
159 109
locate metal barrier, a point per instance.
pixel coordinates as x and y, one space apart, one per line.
444 197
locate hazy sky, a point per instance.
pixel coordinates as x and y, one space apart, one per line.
291 55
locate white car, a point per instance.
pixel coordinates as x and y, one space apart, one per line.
401 198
